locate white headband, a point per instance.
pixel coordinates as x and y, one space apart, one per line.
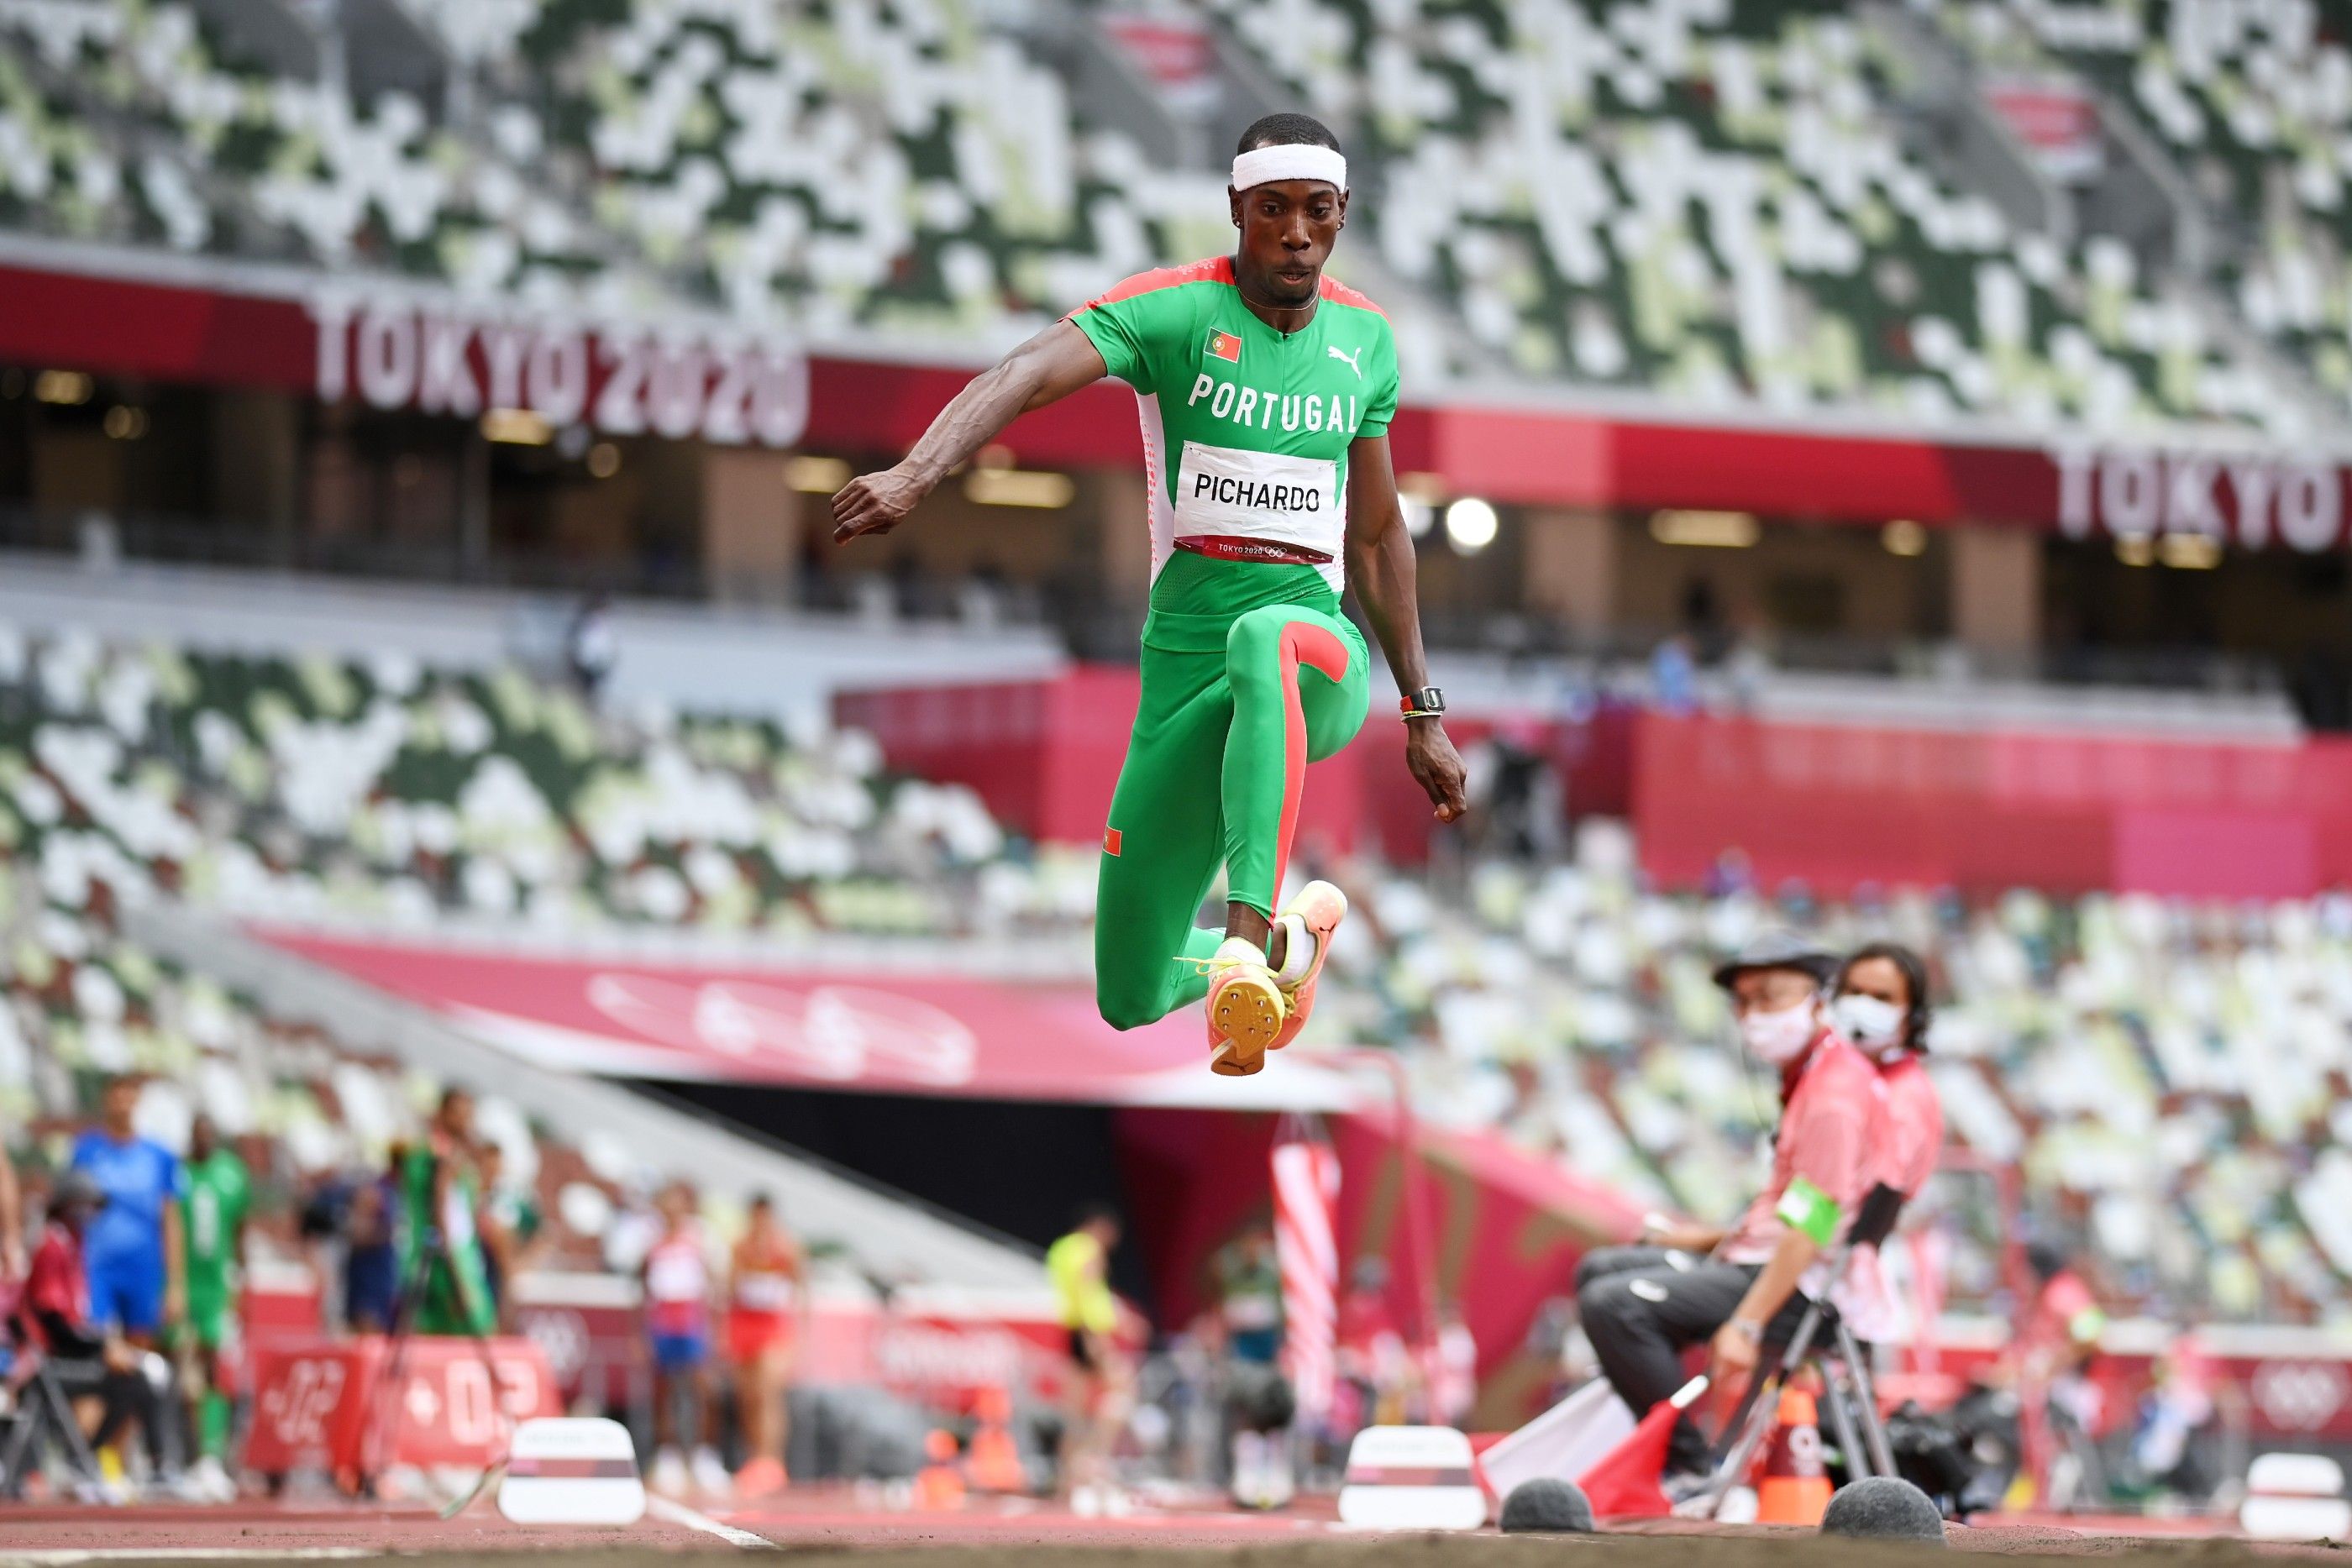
1263 165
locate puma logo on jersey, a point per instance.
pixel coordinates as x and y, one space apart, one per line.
1349 359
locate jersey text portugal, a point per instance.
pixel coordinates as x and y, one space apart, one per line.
1245 429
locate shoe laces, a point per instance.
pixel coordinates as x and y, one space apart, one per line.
1217 962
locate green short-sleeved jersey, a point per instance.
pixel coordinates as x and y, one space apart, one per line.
1245 429
218 1193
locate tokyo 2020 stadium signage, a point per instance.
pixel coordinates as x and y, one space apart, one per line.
2251 500
703 382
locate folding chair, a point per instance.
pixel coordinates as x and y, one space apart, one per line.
41 1417
1821 1341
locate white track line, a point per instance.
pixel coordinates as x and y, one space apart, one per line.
679 1513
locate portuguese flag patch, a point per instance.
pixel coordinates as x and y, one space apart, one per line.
1223 345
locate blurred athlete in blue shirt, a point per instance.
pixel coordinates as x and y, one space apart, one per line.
133 1245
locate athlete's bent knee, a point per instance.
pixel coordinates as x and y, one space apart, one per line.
1604 1262
1126 1010
1605 1304
1251 643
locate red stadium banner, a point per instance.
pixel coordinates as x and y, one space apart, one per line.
1837 806
451 1403
416 349
703 378
912 1031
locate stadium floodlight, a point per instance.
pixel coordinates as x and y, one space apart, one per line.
67 389
1903 538
1018 487
813 475
2189 552
1419 514
517 427
1471 525
1705 531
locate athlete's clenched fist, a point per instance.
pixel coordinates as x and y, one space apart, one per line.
1433 762
874 503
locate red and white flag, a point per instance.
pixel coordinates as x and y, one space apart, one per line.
1307 1249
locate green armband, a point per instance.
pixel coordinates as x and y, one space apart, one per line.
1809 1211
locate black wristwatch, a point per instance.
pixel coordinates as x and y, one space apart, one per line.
1426 702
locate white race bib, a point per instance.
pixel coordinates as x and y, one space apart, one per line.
765 1292
1222 492
674 1275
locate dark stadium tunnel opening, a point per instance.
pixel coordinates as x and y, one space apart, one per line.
1024 1169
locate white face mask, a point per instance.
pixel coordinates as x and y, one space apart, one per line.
1871 1022
1781 1036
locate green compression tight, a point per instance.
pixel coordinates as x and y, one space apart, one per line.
1212 777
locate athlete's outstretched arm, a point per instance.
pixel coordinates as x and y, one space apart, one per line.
1049 367
1380 564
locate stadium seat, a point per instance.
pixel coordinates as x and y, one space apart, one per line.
1706 200
1714 200
2254 103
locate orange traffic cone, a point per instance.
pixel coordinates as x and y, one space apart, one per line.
1794 1487
995 1464
938 1484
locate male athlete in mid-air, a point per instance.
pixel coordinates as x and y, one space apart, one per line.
1266 391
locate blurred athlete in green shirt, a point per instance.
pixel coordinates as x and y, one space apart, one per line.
212 1214
1266 391
440 1197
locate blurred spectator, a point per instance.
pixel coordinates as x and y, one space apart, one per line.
1674 677
678 1292
441 1259
1453 1372
92 1359
1249 1297
590 647
632 1232
1731 876
1078 1269
1369 1351
766 1311
2175 1448
1259 1401
135 1258
12 1258
371 1272
2059 1336
509 1222
2058 1401
219 1198
1518 804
